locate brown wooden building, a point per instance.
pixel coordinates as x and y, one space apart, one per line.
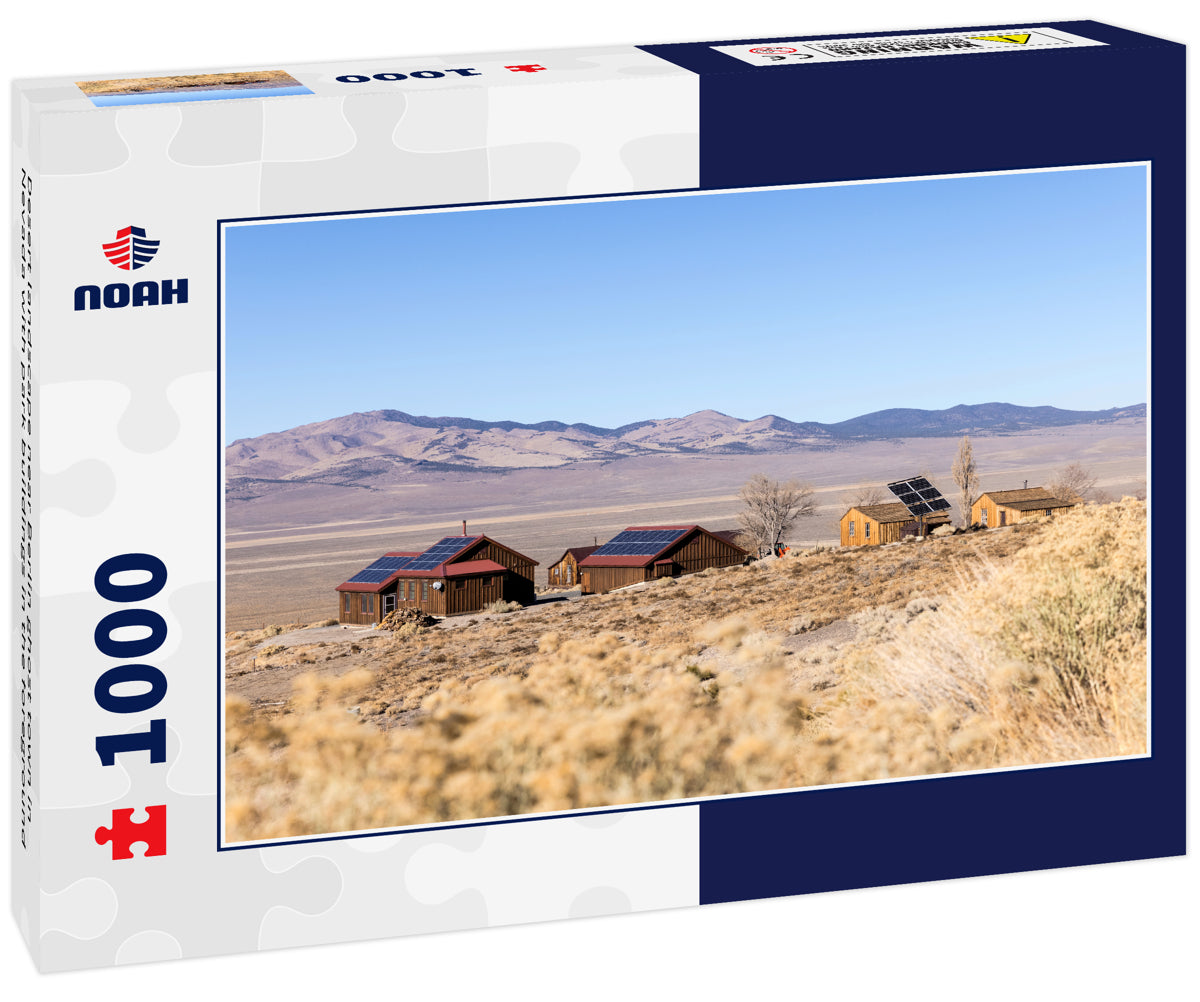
996 508
458 574
646 552
564 572
876 524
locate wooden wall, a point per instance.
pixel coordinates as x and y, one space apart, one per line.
702 551
556 574
696 552
513 585
358 607
487 550
597 580
881 532
1011 515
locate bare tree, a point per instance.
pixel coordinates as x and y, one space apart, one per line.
866 494
1073 482
771 509
966 479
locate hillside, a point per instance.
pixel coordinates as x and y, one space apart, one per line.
832 665
382 447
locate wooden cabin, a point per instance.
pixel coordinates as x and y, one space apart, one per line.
564 572
458 574
876 524
996 508
729 535
646 552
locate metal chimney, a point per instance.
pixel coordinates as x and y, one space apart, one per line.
464 526
1026 487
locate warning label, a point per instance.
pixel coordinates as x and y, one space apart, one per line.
791 53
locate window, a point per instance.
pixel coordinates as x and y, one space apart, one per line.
866 530
1047 512
389 604
425 591
1003 517
460 584
368 603
346 602
412 591
851 528
983 517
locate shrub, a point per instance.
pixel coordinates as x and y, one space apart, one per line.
801 624
1041 659
502 606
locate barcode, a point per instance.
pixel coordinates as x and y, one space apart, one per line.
884 48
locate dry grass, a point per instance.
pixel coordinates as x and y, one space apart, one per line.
1003 648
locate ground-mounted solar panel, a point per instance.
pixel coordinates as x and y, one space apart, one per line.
919 496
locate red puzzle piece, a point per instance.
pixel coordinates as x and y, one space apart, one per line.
124 832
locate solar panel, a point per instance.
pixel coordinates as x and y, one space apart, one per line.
639 542
381 570
919 496
441 551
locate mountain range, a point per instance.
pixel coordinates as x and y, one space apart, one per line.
384 446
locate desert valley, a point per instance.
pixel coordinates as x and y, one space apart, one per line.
307 508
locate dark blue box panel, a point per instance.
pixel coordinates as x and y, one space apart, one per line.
924 115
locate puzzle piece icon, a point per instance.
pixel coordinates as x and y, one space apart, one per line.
125 831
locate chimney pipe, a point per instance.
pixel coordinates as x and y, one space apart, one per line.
464 526
1026 487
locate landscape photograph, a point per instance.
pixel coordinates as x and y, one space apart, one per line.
570 505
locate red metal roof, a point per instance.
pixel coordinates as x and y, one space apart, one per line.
468 567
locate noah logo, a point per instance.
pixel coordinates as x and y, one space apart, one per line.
131 250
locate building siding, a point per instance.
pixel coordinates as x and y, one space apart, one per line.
695 552
456 596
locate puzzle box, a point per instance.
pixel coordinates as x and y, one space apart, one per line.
411 333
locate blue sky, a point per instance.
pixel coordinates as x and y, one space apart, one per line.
812 303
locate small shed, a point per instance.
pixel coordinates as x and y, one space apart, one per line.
457 575
646 552
564 572
996 508
876 524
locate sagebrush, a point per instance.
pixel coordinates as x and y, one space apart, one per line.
1037 658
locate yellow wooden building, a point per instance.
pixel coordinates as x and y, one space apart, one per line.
876 524
996 508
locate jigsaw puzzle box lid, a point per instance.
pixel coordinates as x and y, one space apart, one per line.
172 227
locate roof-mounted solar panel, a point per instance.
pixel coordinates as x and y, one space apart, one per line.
639 542
380 571
441 551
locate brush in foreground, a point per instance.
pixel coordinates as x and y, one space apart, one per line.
1041 659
